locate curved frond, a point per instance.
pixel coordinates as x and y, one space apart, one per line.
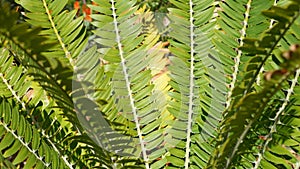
58 25
28 46
50 124
13 79
88 106
247 113
284 120
23 142
241 114
264 47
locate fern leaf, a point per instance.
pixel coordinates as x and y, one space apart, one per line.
246 114
126 61
237 20
194 67
18 90
93 122
275 128
45 72
23 140
18 41
268 43
13 80
58 25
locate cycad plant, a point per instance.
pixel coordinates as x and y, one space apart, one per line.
214 84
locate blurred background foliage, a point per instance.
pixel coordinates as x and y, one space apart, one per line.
159 7
156 5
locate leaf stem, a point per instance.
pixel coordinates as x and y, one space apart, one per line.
191 88
238 57
272 21
19 138
127 81
276 118
67 53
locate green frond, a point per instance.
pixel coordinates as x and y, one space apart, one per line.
264 47
17 84
286 112
62 136
28 46
236 21
50 126
22 141
20 44
279 145
126 61
97 112
13 78
236 130
58 25
197 94
291 37
215 86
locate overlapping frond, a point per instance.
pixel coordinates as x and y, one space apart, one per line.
280 141
128 103
13 80
124 49
275 133
89 107
73 148
22 62
197 93
238 20
22 141
17 85
248 110
284 115
264 47
58 25
233 142
28 46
